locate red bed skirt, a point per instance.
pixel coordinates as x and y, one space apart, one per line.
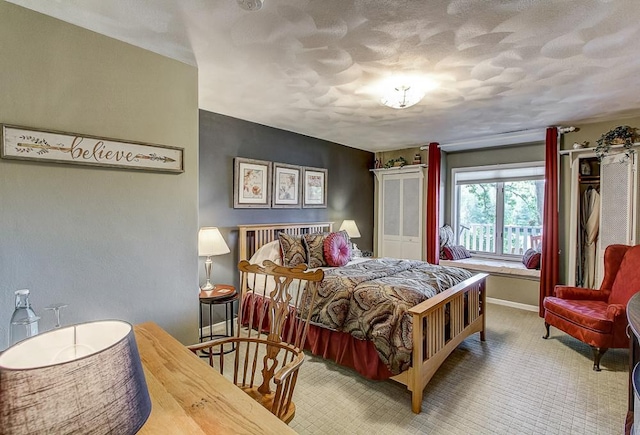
347 351
337 346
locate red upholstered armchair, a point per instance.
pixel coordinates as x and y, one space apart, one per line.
598 317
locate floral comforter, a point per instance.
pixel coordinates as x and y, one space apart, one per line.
370 301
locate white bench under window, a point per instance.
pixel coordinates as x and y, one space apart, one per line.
494 267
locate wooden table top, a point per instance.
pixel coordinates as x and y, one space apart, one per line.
633 314
219 292
189 397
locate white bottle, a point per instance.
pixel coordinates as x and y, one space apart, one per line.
24 322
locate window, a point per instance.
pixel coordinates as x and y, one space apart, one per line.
498 209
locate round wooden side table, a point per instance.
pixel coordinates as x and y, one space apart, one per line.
221 294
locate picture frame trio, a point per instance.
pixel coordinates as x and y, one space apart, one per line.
264 184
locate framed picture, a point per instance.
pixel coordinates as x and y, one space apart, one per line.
25 143
251 183
286 186
314 188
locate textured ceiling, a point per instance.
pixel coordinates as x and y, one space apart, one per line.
314 66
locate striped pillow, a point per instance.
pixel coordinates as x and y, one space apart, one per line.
293 251
457 252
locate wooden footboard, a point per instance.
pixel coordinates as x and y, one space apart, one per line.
433 337
432 343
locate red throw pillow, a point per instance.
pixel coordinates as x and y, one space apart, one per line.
531 259
336 250
457 252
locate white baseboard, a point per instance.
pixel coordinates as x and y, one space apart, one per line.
511 304
218 329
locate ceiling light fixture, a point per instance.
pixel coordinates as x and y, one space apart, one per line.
402 96
250 5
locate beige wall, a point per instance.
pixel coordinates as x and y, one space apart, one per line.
110 243
521 291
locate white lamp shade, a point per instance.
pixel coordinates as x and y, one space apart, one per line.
351 228
210 242
85 378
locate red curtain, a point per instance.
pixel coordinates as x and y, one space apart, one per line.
550 267
433 202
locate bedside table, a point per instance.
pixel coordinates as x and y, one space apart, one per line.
221 294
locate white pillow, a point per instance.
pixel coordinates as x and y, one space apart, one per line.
270 251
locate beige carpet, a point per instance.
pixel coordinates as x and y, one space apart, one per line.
514 383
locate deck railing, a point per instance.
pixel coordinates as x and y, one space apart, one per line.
516 239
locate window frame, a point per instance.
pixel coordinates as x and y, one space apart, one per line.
522 168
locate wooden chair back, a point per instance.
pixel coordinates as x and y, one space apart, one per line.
264 357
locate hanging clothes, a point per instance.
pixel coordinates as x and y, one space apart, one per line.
591 221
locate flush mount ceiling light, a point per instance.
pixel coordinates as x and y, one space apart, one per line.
401 97
250 5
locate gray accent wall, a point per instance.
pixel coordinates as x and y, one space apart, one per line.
111 243
350 183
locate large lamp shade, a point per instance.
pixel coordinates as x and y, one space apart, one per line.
85 378
210 242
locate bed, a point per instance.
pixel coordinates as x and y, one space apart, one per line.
435 327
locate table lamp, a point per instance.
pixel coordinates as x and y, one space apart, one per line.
351 228
210 243
84 378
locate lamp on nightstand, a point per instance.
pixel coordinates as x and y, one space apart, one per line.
351 228
210 243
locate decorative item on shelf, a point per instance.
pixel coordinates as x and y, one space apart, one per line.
417 159
378 164
578 145
349 225
210 243
585 168
399 162
82 378
621 135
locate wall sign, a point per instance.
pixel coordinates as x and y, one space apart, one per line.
24 143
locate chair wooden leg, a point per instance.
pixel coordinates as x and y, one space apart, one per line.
546 326
597 354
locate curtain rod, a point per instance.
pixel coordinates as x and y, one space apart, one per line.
512 138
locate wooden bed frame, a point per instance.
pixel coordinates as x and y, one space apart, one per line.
431 344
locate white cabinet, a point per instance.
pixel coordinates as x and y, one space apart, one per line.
400 217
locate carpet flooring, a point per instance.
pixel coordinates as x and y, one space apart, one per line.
514 383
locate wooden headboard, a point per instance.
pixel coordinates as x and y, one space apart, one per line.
253 237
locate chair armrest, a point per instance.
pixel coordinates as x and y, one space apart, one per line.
216 342
579 293
288 369
615 310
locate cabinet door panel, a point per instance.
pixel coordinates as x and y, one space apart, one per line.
411 207
616 205
391 207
